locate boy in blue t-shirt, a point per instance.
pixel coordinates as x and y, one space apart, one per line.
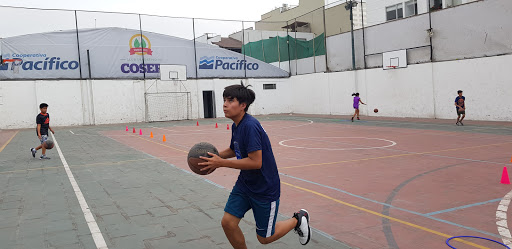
460 107
258 186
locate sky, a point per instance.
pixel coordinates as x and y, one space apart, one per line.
216 9
23 21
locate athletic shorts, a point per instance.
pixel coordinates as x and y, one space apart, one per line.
44 138
265 213
461 112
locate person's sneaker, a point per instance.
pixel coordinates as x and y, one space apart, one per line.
358 118
461 123
43 157
33 152
302 227
352 119
457 124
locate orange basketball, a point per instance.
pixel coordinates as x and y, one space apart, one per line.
375 110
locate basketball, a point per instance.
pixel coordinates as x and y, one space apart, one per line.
48 144
198 150
375 110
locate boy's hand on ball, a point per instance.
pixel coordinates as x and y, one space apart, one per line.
211 162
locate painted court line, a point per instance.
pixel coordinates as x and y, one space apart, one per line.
89 217
385 216
391 206
282 143
8 141
162 145
78 165
501 219
398 155
462 207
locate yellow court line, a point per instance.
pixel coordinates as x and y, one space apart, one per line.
8 141
399 155
79 165
161 144
385 216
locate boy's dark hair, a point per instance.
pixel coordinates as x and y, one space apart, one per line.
355 94
43 105
459 91
240 92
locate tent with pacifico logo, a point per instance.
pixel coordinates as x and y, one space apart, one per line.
117 53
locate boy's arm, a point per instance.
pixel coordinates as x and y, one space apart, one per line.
253 161
49 127
39 131
227 153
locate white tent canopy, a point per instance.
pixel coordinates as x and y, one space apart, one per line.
121 53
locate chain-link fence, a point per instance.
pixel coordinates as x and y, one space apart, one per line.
322 36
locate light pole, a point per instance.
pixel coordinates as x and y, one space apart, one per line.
349 6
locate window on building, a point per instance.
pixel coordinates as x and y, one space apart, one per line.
411 8
394 12
269 86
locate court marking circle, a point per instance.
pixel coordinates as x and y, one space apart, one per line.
475 237
501 219
392 143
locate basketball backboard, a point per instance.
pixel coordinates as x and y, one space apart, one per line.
394 59
173 72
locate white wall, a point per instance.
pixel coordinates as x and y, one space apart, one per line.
422 90
486 83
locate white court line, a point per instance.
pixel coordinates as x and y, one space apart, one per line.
282 143
501 219
89 217
72 132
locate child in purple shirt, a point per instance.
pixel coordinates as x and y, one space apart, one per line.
357 100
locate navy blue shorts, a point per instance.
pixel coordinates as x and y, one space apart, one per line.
265 213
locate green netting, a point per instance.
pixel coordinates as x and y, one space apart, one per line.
277 49
283 49
270 50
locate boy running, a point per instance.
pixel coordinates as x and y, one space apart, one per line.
460 106
43 125
258 186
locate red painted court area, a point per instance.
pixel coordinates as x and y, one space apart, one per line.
369 186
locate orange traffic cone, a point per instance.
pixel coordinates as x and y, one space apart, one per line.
511 160
504 176
133 129
197 124
163 139
216 125
127 128
151 136
140 132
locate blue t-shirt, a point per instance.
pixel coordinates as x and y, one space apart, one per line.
461 100
262 184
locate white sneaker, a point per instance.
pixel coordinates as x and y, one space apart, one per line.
302 227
